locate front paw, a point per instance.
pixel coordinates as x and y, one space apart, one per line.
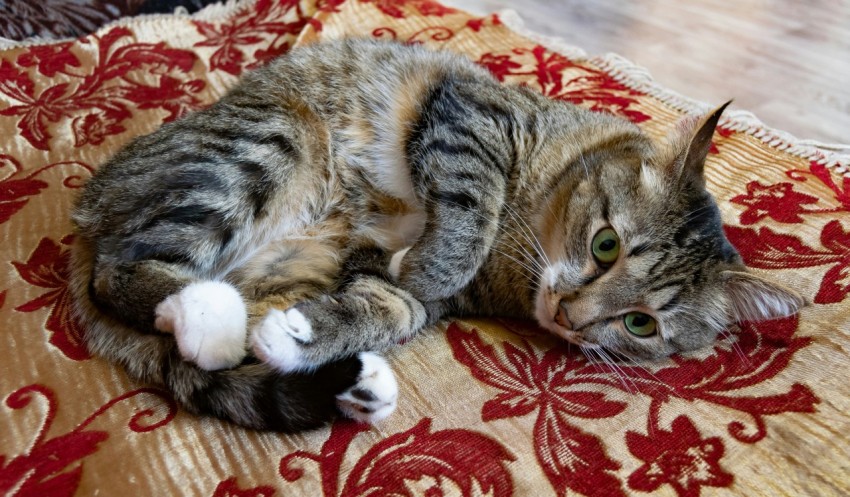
373 397
279 339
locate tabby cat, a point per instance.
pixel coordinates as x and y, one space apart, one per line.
253 256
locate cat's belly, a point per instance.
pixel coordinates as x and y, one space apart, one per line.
389 214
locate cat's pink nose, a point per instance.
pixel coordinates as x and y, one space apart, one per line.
562 319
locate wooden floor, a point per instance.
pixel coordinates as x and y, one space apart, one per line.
786 61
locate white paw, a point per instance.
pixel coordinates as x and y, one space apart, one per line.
374 396
275 340
209 321
395 263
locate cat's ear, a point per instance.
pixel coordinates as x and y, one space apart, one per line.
753 298
692 160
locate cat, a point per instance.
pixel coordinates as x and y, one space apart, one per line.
349 194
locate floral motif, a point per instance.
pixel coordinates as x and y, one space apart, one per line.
477 24
50 467
50 59
779 202
769 249
754 355
16 189
230 488
263 24
822 174
782 203
558 77
94 127
88 91
679 457
570 457
456 460
107 90
396 8
431 33
561 385
15 192
47 267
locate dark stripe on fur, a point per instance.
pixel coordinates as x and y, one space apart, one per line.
260 188
138 250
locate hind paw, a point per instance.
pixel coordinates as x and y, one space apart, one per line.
209 321
278 339
373 397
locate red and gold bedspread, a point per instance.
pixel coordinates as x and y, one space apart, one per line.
494 408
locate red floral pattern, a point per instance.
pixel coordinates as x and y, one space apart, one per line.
429 34
396 8
779 202
821 174
560 78
769 249
106 92
51 467
571 458
230 488
562 386
782 203
47 267
679 457
50 59
72 99
17 188
266 26
460 459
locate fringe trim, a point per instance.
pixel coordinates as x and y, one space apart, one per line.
835 156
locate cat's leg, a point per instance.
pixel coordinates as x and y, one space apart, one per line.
208 318
369 313
460 163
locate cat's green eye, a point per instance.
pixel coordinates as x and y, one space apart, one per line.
640 324
606 246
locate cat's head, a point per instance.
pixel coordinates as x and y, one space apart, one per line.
637 261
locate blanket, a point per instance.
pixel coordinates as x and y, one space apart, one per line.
487 407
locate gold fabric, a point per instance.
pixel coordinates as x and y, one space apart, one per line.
487 407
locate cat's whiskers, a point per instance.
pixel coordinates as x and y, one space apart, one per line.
533 271
529 234
734 344
617 370
520 247
723 331
635 364
587 351
690 216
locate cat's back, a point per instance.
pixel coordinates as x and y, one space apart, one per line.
336 73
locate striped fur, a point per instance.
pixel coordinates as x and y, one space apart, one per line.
270 220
